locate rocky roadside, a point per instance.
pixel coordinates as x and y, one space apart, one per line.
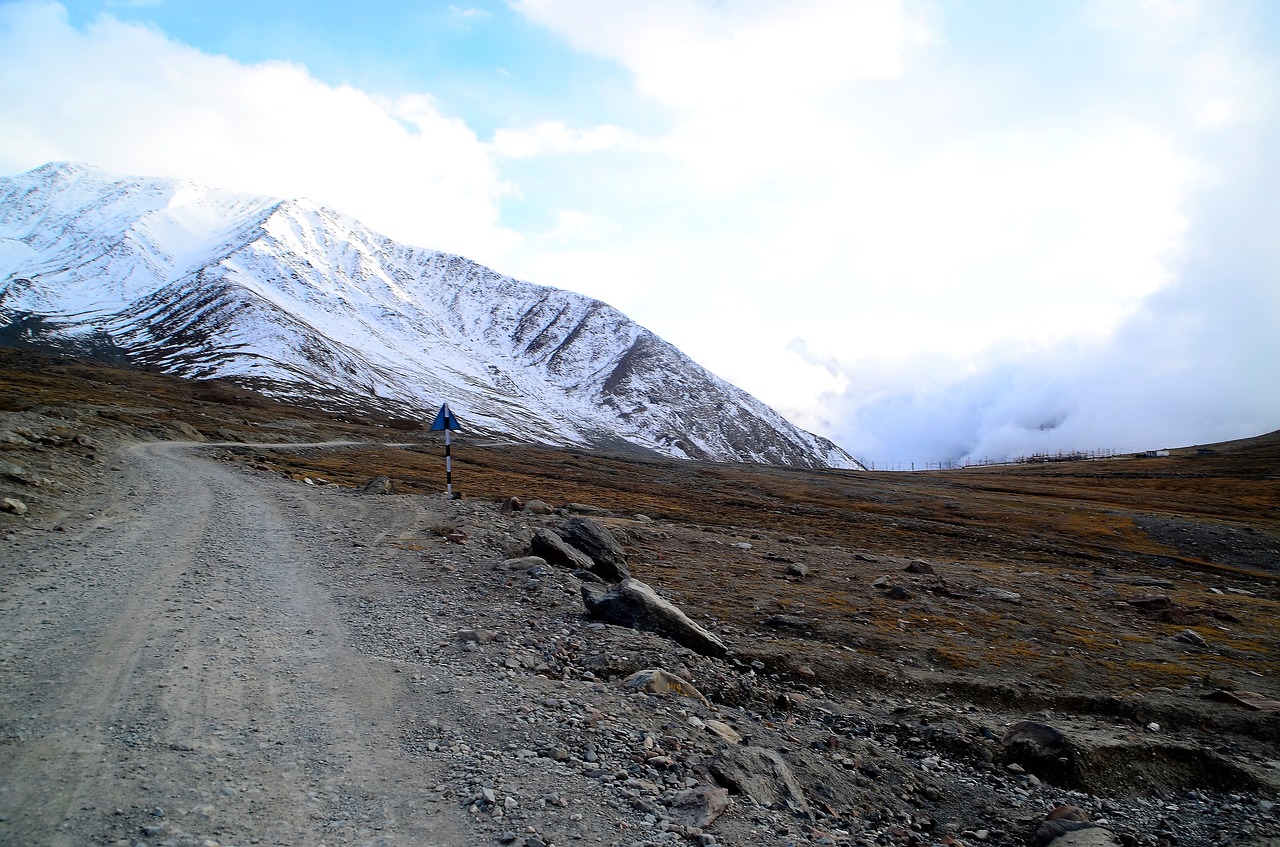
732 755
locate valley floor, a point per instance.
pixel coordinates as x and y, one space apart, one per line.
201 653
201 647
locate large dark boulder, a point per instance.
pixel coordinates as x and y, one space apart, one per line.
598 543
552 547
633 603
1043 750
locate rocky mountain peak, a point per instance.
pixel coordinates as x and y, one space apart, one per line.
305 304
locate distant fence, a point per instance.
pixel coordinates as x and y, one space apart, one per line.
1033 459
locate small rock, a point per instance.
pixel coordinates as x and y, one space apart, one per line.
1041 748
1149 601
525 563
13 505
657 681
378 485
798 569
1068 813
723 730
584 509
1190 636
698 807
786 622
1066 833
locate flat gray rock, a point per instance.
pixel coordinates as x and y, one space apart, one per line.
760 774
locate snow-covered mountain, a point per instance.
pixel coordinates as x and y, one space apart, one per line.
307 305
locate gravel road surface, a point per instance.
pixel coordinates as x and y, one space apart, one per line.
174 667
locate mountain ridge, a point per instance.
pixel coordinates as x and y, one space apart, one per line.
304 303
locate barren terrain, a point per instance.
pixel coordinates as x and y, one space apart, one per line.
211 636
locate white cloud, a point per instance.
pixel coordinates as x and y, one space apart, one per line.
554 137
979 238
1193 362
468 13
575 227
129 99
702 55
863 206
1174 375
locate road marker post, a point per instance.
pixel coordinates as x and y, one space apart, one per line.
446 421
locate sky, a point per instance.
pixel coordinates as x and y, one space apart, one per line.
929 230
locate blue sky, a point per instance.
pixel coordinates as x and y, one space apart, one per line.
482 62
926 229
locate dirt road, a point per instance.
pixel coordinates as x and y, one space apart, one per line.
174 668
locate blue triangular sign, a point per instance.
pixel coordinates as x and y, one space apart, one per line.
445 420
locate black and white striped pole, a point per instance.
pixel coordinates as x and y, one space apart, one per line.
446 421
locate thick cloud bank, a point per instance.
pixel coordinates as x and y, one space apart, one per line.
1198 362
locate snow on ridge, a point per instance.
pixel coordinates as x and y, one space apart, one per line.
301 300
